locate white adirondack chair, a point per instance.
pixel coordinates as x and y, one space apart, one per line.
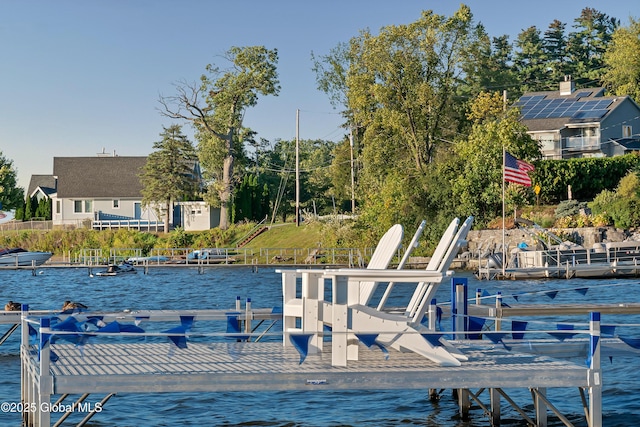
307 304
404 331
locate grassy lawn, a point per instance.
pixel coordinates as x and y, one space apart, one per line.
289 236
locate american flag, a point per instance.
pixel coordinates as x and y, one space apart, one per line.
517 170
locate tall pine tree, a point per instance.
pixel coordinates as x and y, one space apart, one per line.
168 175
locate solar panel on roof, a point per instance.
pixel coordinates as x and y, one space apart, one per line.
589 114
583 94
540 107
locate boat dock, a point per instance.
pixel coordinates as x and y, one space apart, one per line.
59 362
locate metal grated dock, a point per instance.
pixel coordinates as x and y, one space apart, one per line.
212 367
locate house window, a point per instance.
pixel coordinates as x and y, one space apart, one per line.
626 131
116 204
80 206
196 211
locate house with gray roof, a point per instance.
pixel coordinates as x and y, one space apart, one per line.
41 186
104 191
581 123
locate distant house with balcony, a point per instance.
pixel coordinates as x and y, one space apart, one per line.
581 123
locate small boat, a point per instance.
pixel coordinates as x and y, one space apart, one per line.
554 258
148 259
210 254
21 257
117 270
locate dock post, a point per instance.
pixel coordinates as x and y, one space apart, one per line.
595 373
45 383
459 318
24 356
433 313
539 396
459 309
498 322
247 316
494 397
464 402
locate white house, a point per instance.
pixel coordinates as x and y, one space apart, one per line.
102 192
106 192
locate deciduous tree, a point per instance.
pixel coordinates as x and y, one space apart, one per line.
623 61
477 179
10 194
216 108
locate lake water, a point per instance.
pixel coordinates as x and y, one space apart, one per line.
217 288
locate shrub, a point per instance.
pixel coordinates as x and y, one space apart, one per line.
565 222
601 219
569 208
603 201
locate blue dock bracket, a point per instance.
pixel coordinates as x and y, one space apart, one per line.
459 309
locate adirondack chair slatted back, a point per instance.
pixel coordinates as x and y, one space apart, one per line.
426 291
382 256
435 262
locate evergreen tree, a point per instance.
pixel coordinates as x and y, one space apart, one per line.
588 43
554 45
530 61
168 175
28 209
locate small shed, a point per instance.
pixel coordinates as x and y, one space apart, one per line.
196 216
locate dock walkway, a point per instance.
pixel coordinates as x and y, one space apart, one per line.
245 366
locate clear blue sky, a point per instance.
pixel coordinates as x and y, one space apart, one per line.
79 76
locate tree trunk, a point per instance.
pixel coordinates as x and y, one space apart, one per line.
166 219
227 183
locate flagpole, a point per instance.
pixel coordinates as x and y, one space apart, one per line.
504 256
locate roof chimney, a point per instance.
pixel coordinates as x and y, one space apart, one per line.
567 86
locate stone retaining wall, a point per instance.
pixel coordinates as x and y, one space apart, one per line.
484 240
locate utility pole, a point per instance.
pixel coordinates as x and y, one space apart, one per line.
353 191
297 168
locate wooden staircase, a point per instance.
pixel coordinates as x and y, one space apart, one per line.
252 236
